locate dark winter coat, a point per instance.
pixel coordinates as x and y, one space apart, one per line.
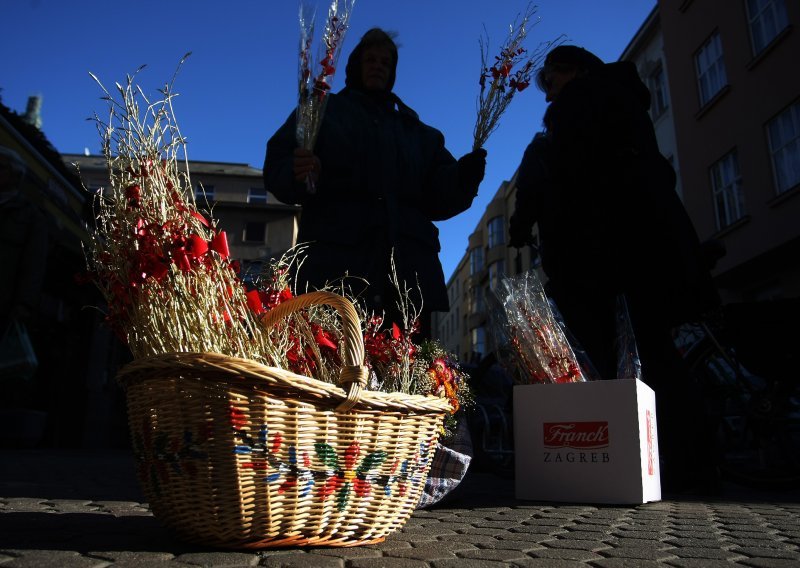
605 199
385 178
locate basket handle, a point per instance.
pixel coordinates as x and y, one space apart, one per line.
353 374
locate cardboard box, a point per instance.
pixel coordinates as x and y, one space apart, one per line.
589 442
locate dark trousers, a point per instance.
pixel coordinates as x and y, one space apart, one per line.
684 433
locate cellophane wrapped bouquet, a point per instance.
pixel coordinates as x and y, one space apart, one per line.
170 284
314 86
530 339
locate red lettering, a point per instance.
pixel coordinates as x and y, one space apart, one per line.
577 435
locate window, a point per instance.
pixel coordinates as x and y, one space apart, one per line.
477 299
767 20
255 232
475 260
658 92
496 271
257 195
784 146
710 69
726 183
203 192
478 341
496 231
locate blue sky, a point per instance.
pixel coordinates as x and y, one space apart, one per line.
239 84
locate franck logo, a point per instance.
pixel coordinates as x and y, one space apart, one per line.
578 435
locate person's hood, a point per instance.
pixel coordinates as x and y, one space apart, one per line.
353 68
624 73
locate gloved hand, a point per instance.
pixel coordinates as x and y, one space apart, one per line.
471 168
306 165
518 236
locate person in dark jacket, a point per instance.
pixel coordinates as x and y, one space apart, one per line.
381 178
610 224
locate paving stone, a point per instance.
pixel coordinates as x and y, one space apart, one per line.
302 560
389 544
626 563
427 552
426 531
520 514
585 535
483 531
758 543
638 553
767 553
690 541
549 563
220 558
468 563
636 534
498 554
385 562
54 559
769 562
482 513
346 552
566 554
570 543
466 540
701 563
449 527
24 504
592 526
750 532
510 544
706 553
133 558
496 524
537 529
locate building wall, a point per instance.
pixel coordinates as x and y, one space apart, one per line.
466 329
646 51
51 408
763 245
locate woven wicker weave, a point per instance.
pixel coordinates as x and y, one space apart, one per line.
235 454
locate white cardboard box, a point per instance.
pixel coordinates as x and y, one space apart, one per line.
588 442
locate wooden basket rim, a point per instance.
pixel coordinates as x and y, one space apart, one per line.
236 368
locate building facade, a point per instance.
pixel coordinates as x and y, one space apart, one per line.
43 229
735 101
466 329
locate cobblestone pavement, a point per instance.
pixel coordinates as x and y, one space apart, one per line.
66 509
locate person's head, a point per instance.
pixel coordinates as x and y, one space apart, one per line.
12 169
373 63
562 64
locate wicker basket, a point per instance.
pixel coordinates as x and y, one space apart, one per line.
235 454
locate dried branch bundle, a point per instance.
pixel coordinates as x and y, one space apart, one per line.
508 74
162 266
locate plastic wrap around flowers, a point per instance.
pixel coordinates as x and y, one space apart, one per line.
313 87
529 337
